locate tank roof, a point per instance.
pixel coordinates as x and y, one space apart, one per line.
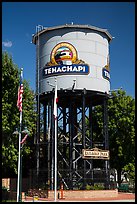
45 29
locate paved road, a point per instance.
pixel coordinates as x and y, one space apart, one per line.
126 200
122 197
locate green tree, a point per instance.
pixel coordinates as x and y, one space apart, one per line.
121 112
10 116
121 131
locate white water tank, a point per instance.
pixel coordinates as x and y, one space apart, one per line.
71 53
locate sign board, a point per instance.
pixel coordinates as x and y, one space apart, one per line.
95 153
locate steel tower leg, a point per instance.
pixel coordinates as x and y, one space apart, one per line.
45 146
105 130
70 144
72 133
64 133
91 136
83 138
37 145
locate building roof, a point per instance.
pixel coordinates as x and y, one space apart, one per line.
105 31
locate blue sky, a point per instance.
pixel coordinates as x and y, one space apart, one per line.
19 21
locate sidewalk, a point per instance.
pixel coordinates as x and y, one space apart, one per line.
121 196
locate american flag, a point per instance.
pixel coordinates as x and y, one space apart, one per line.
24 139
20 92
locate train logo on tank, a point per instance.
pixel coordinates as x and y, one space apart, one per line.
64 60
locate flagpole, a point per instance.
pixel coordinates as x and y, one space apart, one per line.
55 115
18 184
55 145
19 155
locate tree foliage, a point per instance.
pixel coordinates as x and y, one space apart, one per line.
10 116
121 112
121 131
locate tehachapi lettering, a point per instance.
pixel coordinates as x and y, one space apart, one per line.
73 69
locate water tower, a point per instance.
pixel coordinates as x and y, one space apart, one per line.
77 57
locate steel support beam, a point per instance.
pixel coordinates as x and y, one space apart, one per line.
74 134
106 144
84 136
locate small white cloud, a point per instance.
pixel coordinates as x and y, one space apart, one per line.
7 44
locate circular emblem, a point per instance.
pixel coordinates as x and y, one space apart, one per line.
63 53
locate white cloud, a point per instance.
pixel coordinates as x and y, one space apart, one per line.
7 44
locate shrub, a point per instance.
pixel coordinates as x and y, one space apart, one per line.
98 187
95 187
